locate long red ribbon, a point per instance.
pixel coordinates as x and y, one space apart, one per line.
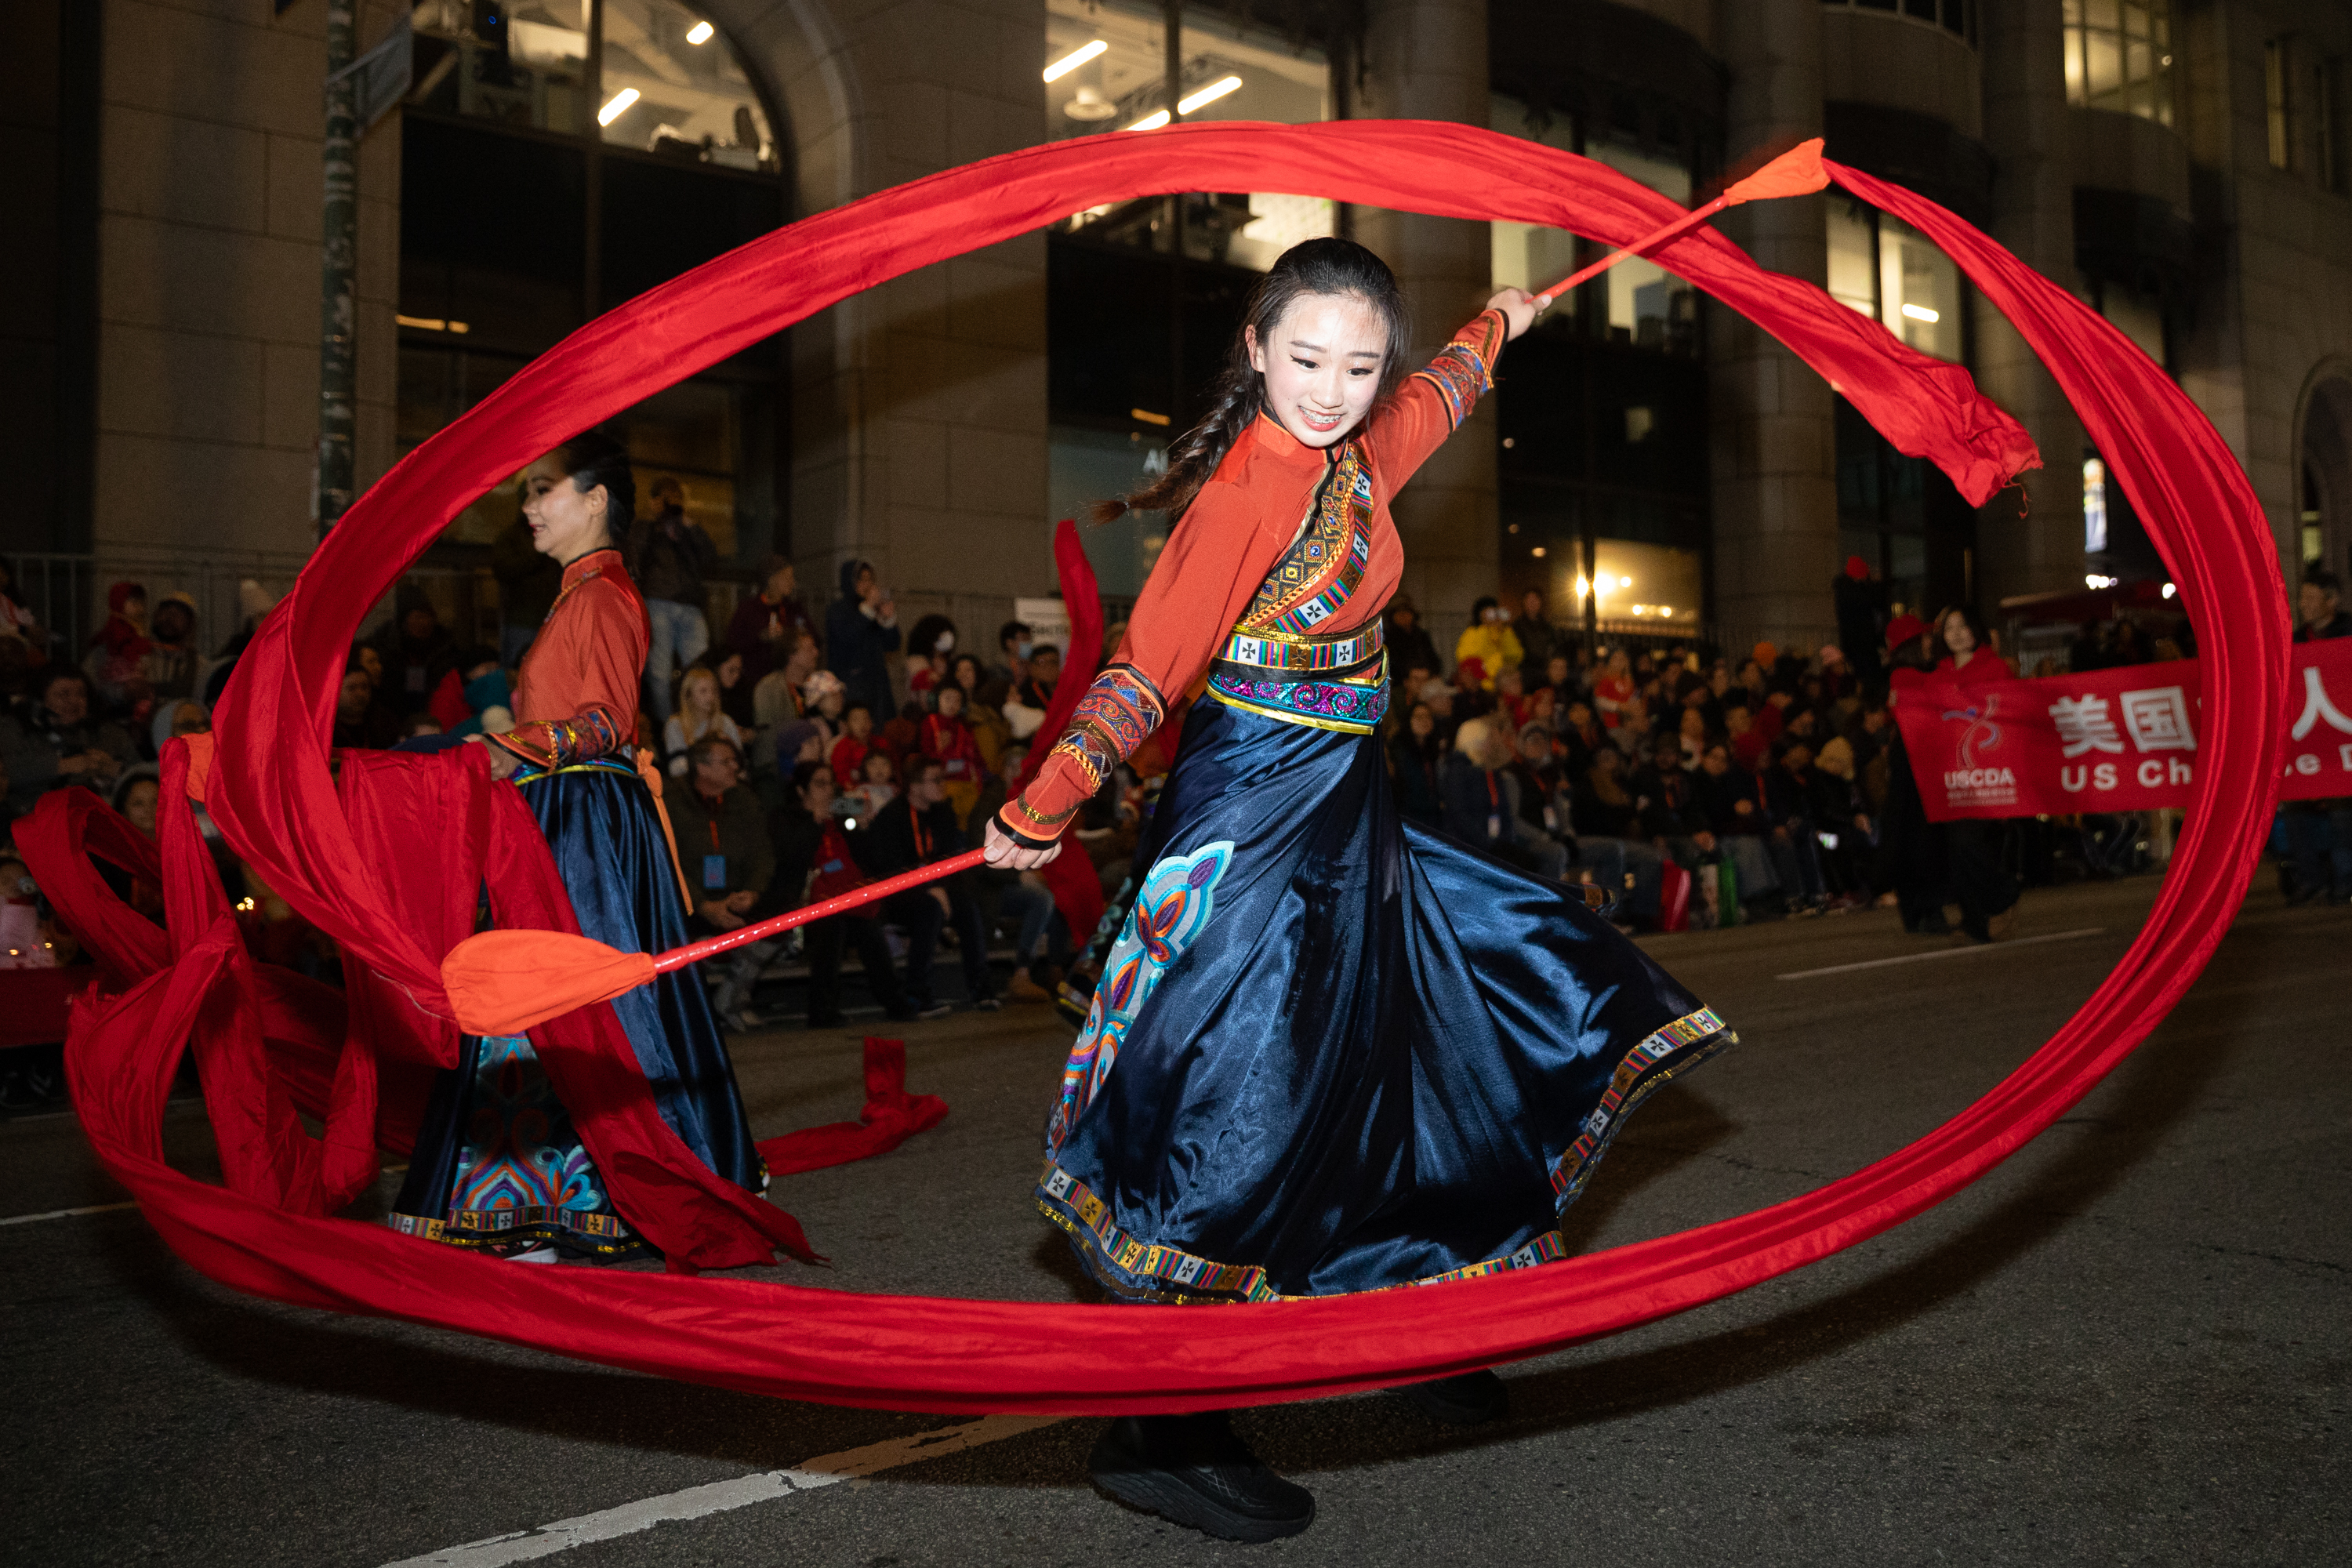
273 798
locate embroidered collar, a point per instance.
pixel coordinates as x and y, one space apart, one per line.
1291 452
592 564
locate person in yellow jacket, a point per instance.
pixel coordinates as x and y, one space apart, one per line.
1490 641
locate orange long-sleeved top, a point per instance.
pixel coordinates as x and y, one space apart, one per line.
577 695
1217 574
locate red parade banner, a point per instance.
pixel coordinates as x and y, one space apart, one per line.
2107 740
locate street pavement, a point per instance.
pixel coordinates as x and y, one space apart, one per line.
2123 1346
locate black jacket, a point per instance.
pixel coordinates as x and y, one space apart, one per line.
669 554
888 845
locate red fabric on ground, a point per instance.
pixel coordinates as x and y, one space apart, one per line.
273 798
890 1117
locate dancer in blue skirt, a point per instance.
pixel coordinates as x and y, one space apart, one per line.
1332 1049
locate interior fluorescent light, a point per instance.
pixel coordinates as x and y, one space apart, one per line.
1152 121
617 106
1147 416
700 34
431 324
1207 95
1074 59
1921 313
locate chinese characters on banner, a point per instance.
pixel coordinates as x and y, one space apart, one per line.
2111 740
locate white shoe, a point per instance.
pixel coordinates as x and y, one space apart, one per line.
536 1255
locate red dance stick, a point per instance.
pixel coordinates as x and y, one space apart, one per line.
1794 173
712 946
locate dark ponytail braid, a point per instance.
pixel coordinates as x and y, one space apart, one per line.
1316 267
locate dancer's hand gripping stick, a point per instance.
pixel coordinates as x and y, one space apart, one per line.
503 981
1796 173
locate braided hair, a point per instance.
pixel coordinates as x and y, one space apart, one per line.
1333 267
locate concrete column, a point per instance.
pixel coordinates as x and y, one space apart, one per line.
2027 129
1774 452
1426 59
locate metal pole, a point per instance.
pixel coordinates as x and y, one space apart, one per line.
338 378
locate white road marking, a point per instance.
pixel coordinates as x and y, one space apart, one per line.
719 1497
65 1213
1943 952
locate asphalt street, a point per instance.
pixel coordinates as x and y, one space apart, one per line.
2125 1345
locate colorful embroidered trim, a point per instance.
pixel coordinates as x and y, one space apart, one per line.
1326 704
1630 1085
1167 915
560 744
604 1233
1116 715
1320 572
594 765
1274 650
1463 369
1144 1270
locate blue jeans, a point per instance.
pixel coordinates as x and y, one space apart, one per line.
680 636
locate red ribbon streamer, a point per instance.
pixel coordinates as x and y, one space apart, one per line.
274 800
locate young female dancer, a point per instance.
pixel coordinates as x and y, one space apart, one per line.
1331 1050
497 1164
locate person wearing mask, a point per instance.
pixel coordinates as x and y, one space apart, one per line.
861 632
55 742
769 624
1415 758
1537 637
673 555
723 849
814 862
362 723
1013 641
1985 891
2319 832
1488 639
919 828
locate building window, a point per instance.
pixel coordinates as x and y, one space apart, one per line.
1955 16
2119 56
1888 270
1637 300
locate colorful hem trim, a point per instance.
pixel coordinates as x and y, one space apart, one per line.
604 1234
1638 1074
1116 715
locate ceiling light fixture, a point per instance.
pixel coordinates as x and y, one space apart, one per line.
1152 121
617 106
1209 94
1074 59
700 34
1921 313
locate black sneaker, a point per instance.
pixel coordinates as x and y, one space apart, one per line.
933 1009
1472 1399
1191 1470
990 1005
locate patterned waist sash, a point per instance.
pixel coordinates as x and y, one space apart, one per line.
594 765
1271 654
1354 700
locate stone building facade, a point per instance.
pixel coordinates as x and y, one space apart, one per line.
174 162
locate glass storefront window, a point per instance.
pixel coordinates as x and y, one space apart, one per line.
667 81
2119 56
1105 72
1883 268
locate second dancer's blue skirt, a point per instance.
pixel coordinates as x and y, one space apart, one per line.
498 1163
1333 1050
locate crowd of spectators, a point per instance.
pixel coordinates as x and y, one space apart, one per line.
804 753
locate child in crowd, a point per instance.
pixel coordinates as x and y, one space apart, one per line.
878 785
847 758
697 715
949 741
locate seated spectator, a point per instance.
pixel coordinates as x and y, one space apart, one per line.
1510 699
877 784
1039 933
1534 629
1489 641
169 669
118 651
1437 696
1414 754
362 723
1482 803
724 850
1748 743
983 716
918 829
53 742
928 653
1840 813
848 757
1541 780
1726 797
1611 839
1580 737
1409 644
1615 689
1666 805
175 719
769 624
1792 841
698 716
735 694
1014 643
814 862
417 650
1036 690
948 741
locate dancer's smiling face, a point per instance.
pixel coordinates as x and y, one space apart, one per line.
1321 365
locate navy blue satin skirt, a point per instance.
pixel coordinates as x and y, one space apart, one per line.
497 1162
1333 1050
